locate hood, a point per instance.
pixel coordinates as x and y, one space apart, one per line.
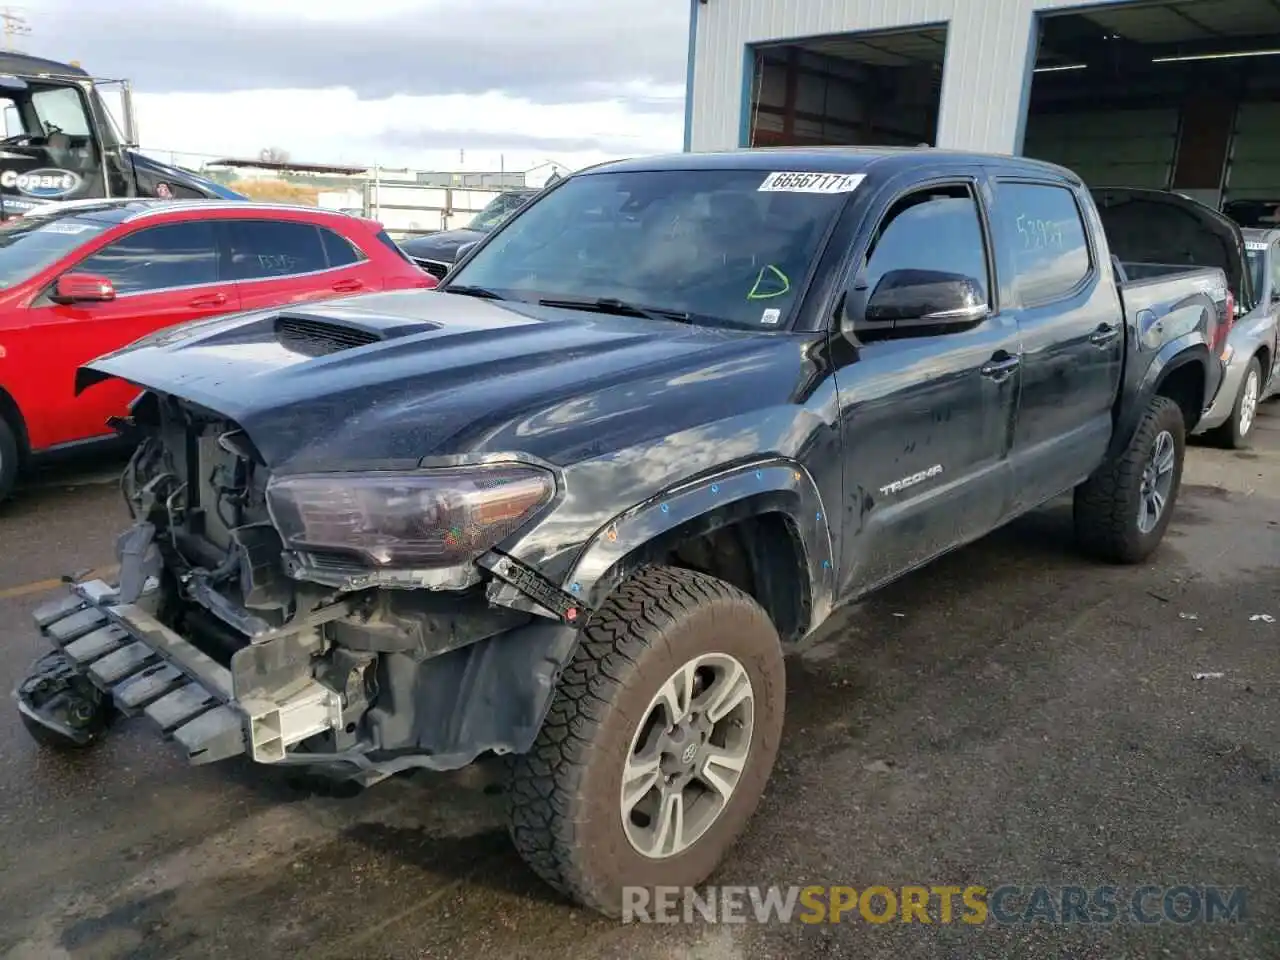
387 379
442 246
150 170
1157 226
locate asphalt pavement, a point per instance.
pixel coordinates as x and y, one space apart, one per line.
1011 715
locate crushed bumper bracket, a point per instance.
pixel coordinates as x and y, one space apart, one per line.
146 668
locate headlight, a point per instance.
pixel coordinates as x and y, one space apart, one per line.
436 518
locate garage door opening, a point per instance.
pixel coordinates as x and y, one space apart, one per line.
1177 96
857 88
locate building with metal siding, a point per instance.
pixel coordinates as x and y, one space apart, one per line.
1177 94
985 79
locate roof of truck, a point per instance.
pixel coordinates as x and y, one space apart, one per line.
18 64
830 160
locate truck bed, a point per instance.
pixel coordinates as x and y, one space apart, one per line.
1135 272
1165 303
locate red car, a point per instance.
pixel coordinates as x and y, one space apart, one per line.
90 277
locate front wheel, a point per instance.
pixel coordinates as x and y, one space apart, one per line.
661 736
1123 510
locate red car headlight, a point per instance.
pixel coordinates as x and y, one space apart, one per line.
433 518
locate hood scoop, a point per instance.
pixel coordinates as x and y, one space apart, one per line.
319 336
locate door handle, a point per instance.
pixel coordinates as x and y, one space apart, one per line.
999 369
1104 334
343 286
209 300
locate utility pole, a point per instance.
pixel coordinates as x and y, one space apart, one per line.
15 25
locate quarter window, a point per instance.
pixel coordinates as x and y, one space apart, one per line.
1050 249
338 250
931 230
158 258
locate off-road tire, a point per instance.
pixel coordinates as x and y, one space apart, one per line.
1228 435
564 795
8 459
1106 505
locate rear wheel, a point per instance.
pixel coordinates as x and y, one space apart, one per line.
662 734
1237 432
1123 510
8 459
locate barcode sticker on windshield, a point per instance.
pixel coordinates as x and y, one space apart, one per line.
812 182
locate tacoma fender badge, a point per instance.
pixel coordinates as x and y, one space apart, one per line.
900 485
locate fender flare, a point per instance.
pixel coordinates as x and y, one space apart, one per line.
1173 356
780 486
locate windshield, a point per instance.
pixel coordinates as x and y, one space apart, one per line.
61 110
497 210
709 243
28 246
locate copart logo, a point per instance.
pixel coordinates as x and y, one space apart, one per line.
47 184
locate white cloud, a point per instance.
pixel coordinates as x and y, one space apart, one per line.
394 82
334 126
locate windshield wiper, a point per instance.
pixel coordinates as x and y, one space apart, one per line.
484 293
620 308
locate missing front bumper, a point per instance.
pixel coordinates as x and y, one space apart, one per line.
146 668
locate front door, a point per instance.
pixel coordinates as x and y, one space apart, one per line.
1072 328
163 275
925 419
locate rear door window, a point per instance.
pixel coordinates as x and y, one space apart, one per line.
1050 247
158 258
267 249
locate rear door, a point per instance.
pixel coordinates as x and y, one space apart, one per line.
278 262
163 275
1072 328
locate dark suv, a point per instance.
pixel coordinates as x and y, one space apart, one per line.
436 253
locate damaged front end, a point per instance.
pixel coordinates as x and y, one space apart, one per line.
361 622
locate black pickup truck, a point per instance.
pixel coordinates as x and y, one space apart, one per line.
571 509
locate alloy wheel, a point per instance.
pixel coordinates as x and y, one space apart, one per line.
1157 481
687 755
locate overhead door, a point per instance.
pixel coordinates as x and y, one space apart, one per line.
1108 148
1254 173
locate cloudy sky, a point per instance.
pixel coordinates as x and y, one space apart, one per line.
396 82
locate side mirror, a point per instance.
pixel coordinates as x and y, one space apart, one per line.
82 288
921 302
463 250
